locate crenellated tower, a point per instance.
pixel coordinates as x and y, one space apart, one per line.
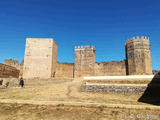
138 56
84 61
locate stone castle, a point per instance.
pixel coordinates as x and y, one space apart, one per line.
40 60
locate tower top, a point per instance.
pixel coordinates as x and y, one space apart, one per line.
84 47
137 39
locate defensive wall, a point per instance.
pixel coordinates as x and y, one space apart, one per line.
137 62
16 64
64 70
8 71
110 68
41 60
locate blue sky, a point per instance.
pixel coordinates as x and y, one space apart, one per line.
105 24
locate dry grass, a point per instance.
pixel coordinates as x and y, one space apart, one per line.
54 90
44 112
64 90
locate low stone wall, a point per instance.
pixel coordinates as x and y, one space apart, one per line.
115 88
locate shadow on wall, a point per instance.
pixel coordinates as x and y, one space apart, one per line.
152 93
126 63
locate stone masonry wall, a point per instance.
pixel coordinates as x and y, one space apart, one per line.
40 58
115 88
84 61
8 71
16 64
138 56
110 68
64 70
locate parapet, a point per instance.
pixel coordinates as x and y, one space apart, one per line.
11 62
137 38
84 47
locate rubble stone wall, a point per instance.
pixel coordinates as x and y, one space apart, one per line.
123 89
8 71
16 64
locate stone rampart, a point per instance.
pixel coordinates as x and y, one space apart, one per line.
16 64
110 68
8 71
40 60
64 70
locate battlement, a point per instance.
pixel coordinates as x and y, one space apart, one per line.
84 47
137 38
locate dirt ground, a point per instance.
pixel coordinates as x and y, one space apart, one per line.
67 90
60 112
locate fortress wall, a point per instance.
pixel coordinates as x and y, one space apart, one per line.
64 70
16 64
110 68
7 71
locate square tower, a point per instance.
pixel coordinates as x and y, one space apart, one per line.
84 61
40 58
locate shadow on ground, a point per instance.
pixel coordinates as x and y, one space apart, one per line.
152 93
